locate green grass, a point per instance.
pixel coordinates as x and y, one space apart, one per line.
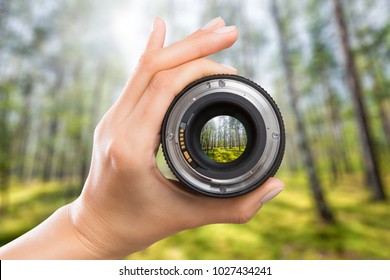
225 154
286 228
30 204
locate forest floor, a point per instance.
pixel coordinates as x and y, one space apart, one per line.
225 154
286 228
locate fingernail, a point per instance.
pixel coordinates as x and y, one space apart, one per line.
270 195
229 67
211 23
225 29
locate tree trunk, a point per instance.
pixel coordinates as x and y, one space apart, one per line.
378 90
5 148
336 125
370 162
23 130
4 11
316 188
55 99
49 153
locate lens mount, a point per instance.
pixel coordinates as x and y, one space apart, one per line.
223 95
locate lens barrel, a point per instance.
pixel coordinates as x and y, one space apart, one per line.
223 136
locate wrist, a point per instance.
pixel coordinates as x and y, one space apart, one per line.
54 238
90 229
102 234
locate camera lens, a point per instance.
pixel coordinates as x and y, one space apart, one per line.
223 136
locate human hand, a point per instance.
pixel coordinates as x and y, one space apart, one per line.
127 204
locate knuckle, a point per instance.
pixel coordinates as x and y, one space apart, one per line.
243 215
202 49
148 62
243 219
97 133
100 133
163 80
121 157
114 154
113 148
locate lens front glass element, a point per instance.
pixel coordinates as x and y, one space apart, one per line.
223 139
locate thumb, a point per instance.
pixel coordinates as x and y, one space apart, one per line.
241 209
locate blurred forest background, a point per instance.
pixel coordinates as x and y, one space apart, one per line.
326 63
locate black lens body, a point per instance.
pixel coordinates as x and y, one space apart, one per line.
223 95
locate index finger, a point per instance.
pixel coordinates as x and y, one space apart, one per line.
189 49
159 59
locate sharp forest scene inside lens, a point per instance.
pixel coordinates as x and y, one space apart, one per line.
223 139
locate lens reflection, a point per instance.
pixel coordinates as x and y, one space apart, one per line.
223 139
